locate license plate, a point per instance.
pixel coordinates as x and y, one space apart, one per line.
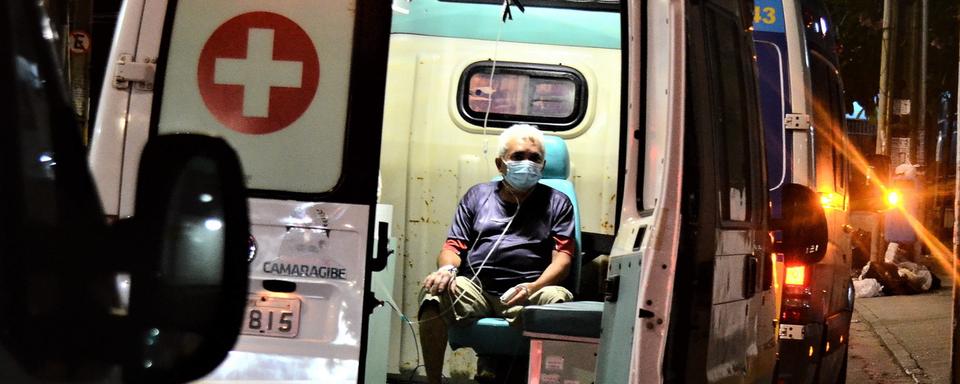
271 316
791 332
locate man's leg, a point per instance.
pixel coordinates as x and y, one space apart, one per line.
547 295
436 312
550 294
433 339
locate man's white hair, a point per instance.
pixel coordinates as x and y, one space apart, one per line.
520 132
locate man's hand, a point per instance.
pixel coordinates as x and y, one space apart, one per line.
523 292
441 280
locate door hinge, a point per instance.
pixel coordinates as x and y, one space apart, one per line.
129 71
796 121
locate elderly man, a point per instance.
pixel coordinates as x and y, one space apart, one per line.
515 237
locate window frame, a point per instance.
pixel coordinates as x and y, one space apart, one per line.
500 120
832 96
755 187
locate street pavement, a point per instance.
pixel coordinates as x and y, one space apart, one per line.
901 339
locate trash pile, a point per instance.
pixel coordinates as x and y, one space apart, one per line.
894 276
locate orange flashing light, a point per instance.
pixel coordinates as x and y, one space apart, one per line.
893 198
796 275
831 200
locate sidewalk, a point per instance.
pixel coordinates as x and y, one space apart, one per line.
915 329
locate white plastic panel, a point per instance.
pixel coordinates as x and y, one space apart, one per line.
269 77
321 248
123 114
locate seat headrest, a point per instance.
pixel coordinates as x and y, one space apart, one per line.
557 158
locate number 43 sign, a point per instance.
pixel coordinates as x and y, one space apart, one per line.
768 16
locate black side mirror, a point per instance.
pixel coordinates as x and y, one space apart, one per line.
63 318
54 269
189 279
803 227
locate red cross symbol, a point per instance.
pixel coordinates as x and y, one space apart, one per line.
258 72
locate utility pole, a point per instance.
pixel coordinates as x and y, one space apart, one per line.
886 67
906 122
955 346
921 116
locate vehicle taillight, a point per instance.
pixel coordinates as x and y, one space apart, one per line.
796 294
796 275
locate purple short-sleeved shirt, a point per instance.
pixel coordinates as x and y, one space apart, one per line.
527 247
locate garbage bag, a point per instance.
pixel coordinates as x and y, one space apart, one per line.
891 255
917 276
888 277
867 288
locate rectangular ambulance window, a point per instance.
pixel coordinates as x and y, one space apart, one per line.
552 97
733 124
828 115
273 80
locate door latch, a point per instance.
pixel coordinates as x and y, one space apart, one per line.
128 71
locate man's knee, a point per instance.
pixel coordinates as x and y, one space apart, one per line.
429 310
552 294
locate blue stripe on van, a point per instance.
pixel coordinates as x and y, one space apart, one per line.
768 16
774 85
538 25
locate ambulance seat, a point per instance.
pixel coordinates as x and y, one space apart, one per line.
493 336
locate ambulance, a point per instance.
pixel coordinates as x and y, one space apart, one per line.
654 101
803 117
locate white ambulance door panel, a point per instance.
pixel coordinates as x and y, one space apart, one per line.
271 78
123 113
276 80
719 311
740 310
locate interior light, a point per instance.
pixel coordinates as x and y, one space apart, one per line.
810 353
213 224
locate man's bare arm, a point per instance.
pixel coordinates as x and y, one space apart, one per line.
438 281
555 273
448 257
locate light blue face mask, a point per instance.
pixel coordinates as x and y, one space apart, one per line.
522 174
